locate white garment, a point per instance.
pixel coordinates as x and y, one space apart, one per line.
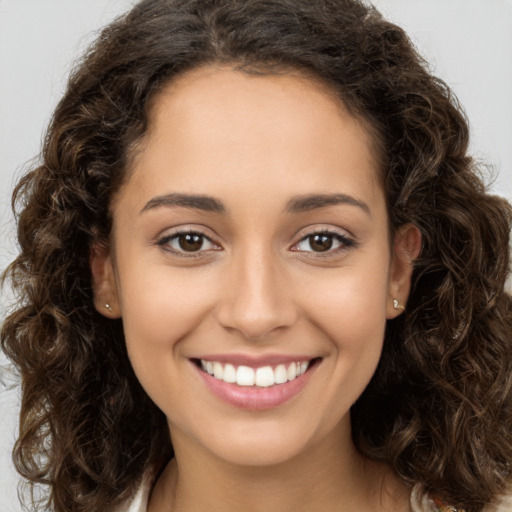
423 503
139 502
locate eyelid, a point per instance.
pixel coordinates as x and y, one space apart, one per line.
347 240
313 229
163 241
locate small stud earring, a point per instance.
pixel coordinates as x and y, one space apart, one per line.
109 307
397 305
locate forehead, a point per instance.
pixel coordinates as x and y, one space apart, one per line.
204 93
217 127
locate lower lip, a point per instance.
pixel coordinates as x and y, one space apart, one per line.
253 398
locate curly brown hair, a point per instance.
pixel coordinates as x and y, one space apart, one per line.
439 408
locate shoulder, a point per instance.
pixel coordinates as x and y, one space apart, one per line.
421 502
503 505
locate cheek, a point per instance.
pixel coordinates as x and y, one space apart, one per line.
351 313
354 323
349 307
160 307
350 301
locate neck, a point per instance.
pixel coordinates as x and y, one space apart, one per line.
332 477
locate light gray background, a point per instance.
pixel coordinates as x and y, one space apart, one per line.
468 42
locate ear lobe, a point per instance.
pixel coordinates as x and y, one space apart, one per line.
104 284
406 248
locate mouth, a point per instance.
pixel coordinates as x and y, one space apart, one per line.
256 387
259 377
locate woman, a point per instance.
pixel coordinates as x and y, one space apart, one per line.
258 271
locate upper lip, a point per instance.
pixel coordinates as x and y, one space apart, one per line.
255 361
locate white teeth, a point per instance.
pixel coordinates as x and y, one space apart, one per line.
292 371
229 373
280 374
245 376
218 370
264 376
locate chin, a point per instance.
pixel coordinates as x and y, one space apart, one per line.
259 454
263 444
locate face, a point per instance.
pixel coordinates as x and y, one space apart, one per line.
251 241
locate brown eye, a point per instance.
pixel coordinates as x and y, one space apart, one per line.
187 242
320 242
324 241
190 242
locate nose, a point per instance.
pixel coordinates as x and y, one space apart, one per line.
257 297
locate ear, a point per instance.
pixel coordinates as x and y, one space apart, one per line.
406 248
106 298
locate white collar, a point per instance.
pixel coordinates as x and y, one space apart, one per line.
139 502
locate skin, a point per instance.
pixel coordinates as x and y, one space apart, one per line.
257 144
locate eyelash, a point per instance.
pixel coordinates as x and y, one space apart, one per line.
165 241
344 241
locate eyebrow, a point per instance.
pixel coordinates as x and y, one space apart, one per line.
199 202
312 202
295 205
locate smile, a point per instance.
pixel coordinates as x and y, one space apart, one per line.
255 385
263 377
